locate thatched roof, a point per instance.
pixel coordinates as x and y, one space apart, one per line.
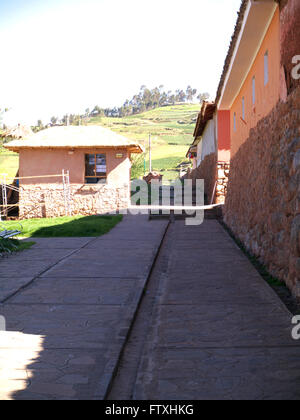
75 137
19 132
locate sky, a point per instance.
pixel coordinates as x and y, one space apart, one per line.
64 56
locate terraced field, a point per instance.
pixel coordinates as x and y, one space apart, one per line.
171 130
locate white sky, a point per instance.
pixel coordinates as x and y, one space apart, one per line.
64 56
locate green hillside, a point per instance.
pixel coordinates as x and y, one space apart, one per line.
171 130
9 162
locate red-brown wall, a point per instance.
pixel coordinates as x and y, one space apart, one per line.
267 96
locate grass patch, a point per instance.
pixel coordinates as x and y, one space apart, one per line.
60 227
8 246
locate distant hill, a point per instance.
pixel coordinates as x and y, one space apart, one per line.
171 128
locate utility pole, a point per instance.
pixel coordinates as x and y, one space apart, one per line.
150 160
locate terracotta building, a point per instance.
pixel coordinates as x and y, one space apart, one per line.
96 178
260 90
256 129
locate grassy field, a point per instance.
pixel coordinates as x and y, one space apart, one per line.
9 161
171 130
78 226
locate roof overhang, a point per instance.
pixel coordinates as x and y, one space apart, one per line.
131 149
206 114
197 141
257 18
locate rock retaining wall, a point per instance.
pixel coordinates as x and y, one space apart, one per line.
222 182
263 200
215 175
49 200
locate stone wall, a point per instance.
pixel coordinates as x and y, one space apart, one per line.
207 171
222 182
49 200
289 39
215 175
263 200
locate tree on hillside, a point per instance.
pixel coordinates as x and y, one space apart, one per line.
190 93
145 100
203 97
40 125
97 111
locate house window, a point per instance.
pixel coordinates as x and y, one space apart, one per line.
234 121
95 169
266 68
253 91
243 109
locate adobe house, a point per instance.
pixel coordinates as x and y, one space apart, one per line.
96 162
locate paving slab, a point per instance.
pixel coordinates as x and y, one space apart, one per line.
85 291
222 374
59 243
9 286
217 330
69 304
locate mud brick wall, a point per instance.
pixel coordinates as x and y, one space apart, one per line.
48 200
263 200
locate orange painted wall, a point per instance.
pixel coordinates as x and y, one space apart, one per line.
52 161
224 136
266 96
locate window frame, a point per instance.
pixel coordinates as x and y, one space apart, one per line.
266 68
253 90
98 177
234 122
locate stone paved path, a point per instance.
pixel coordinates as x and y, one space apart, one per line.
218 331
68 305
